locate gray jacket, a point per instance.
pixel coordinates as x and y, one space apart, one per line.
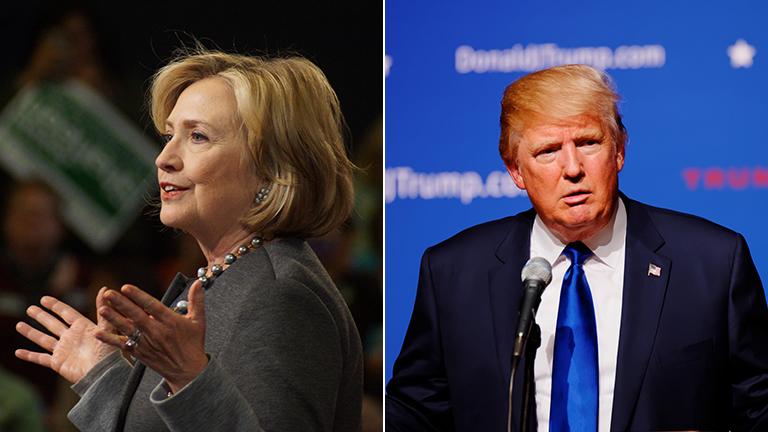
284 356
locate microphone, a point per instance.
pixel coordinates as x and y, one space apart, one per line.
536 275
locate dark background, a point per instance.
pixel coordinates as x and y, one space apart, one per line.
134 39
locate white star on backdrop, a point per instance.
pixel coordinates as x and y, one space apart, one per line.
741 54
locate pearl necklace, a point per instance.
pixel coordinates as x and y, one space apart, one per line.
218 269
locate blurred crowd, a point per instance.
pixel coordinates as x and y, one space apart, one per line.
39 255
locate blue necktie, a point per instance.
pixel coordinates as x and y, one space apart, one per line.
574 370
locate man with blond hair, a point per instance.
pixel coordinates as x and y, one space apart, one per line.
653 320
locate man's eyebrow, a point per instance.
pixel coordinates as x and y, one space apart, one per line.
547 142
589 133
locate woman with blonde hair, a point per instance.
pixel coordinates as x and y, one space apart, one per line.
253 163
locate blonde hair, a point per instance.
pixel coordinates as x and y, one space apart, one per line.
558 92
294 133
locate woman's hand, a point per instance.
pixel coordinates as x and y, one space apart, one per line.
171 344
73 348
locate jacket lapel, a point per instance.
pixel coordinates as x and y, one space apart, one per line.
178 285
646 274
505 289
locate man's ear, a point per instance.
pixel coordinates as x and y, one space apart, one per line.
516 175
620 157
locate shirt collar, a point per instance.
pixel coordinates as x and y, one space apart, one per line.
606 245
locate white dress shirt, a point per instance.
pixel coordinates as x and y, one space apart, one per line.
605 274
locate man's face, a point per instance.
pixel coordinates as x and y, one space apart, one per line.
570 167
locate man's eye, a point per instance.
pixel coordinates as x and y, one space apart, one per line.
547 155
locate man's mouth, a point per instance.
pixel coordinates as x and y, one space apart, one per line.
576 197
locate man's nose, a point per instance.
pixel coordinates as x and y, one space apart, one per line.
571 161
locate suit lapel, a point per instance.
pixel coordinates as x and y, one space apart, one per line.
505 289
178 285
643 297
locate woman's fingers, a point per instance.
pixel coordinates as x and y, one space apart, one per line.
118 321
100 297
146 302
102 302
111 338
197 300
126 307
54 325
45 341
65 311
34 357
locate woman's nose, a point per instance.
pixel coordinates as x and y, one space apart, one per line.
168 160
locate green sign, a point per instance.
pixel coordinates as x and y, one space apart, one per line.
99 162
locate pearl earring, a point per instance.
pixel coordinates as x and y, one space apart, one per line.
262 194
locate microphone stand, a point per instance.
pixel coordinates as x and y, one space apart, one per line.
536 275
532 344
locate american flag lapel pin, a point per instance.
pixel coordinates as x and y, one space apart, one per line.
654 270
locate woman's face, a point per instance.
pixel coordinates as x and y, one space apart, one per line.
206 181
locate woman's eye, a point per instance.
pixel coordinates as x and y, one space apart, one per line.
166 137
198 137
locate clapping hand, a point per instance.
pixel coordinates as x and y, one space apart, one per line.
72 347
171 344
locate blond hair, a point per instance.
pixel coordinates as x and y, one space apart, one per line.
294 134
559 92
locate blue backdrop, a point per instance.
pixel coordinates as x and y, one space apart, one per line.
693 80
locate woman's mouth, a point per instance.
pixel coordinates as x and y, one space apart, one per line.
170 191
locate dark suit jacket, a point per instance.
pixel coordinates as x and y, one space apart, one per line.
693 346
